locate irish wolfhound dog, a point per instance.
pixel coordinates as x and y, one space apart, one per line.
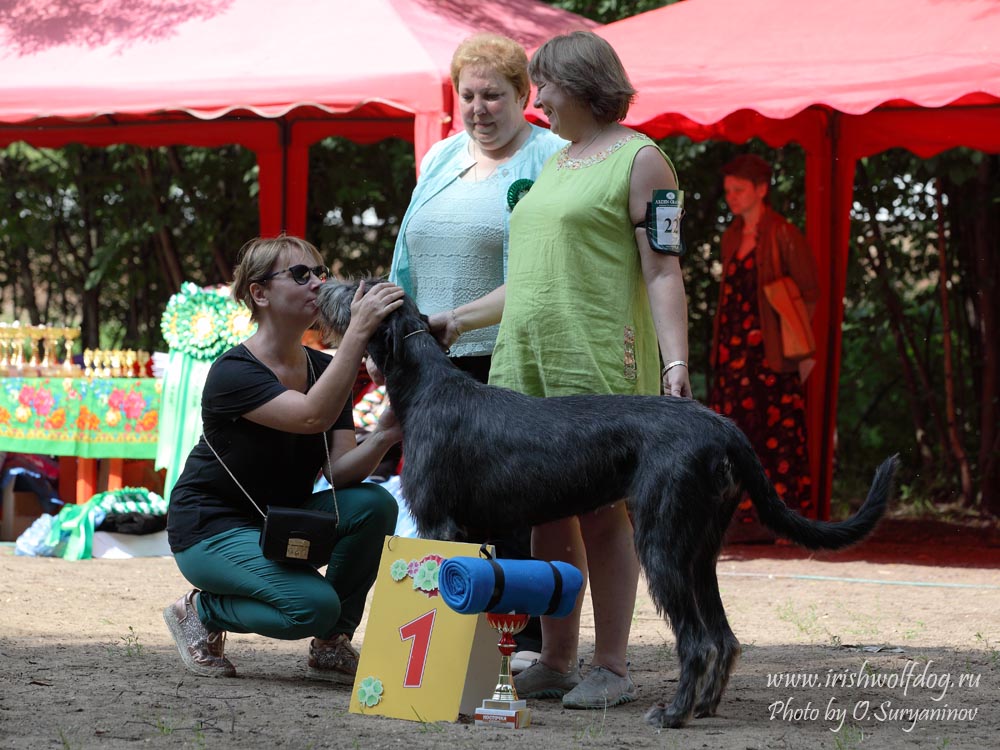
479 460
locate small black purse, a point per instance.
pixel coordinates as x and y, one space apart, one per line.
296 535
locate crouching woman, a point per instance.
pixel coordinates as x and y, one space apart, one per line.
274 415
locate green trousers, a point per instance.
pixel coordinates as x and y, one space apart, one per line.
243 592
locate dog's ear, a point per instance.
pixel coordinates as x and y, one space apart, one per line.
334 303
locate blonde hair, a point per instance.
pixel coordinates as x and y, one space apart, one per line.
257 258
496 52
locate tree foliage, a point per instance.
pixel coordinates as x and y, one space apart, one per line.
100 238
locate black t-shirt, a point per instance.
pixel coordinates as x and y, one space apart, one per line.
275 467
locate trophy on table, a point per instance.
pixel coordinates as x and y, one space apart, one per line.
50 358
71 334
131 363
36 334
5 340
17 353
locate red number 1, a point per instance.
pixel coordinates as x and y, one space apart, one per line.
419 631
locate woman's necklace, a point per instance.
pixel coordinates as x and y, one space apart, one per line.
590 143
512 148
475 165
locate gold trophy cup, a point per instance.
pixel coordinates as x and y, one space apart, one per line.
71 334
504 709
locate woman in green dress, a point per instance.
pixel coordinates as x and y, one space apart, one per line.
589 307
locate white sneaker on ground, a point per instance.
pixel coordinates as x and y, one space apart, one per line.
522 660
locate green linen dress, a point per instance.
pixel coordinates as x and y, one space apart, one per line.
576 317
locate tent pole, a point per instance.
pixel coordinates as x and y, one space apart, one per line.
271 182
284 134
818 206
843 162
828 421
296 181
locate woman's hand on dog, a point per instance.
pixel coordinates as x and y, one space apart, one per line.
388 427
444 327
369 309
677 382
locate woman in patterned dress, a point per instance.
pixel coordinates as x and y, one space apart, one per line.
755 385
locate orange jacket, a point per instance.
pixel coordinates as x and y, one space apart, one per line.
796 261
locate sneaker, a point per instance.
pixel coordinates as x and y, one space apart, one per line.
522 660
539 681
335 660
202 650
601 688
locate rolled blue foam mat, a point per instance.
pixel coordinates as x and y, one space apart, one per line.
470 585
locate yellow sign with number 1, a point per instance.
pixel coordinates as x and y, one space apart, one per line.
420 659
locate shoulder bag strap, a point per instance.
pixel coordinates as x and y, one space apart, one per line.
219 458
326 454
326 446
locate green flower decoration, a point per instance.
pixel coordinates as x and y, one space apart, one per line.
204 323
398 570
370 692
517 190
426 578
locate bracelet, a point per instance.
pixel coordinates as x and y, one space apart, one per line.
454 321
676 363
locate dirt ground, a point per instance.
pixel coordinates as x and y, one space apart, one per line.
906 621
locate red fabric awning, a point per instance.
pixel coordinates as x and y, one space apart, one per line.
707 59
213 57
273 76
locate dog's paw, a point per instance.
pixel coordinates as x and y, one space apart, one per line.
705 710
661 717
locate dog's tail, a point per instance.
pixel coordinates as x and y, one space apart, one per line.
779 518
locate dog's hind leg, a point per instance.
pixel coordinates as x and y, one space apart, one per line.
713 613
667 541
727 647
694 651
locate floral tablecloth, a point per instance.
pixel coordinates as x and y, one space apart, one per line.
89 418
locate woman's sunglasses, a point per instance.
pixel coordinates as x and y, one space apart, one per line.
299 273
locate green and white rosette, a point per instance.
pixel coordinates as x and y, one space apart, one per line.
203 323
198 325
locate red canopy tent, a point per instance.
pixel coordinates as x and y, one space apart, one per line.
275 78
845 80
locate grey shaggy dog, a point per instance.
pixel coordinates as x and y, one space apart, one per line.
479 460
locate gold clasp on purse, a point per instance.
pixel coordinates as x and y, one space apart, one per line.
297 549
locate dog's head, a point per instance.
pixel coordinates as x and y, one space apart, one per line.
386 344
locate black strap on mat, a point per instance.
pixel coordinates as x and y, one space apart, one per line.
557 587
498 578
499 581
498 585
